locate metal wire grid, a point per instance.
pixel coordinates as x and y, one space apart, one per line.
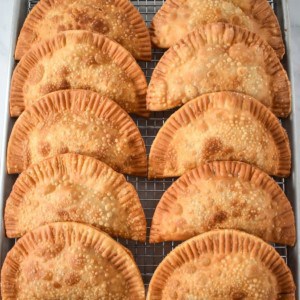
148 256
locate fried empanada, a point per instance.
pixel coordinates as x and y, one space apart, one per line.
224 195
116 19
81 122
220 126
70 261
177 18
220 57
79 60
71 187
222 264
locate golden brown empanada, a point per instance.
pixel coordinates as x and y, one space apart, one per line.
177 18
220 195
220 126
222 264
70 261
79 60
81 122
71 187
220 57
117 19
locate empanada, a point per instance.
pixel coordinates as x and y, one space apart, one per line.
81 122
220 57
70 261
222 264
220 195
177 18
220 126
117 19
79 60
71 187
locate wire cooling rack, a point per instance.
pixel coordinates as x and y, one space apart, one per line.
148 256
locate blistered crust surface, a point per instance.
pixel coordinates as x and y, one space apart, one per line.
79 60
177 18
219 57
69 261
222 134
72 187
220 126
224 194
235 277
117 20
81 122
240 265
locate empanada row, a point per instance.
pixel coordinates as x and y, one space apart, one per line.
71 260
214 57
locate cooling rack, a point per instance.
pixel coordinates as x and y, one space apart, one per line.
148 256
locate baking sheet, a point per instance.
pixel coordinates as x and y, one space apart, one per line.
147 256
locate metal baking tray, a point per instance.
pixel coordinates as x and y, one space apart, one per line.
148 256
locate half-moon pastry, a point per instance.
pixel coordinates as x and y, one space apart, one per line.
224 195
220 57
118 20
70 261
79 60
220 126
222 264
81 122
177 18
71 187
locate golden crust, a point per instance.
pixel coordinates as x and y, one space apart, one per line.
240 265
79 60
169 24
71 187
220 126
220 195
116 19
81 122
69 261
220 57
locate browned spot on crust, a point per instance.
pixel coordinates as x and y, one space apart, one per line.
63 215
218 217
239 295
214 148
56 285
72 279
65 84
100 26
45 148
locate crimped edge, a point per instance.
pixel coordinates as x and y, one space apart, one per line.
116 52
79 100
193 109
281 105
73 165
226 169
223 242
84 234
261 9
25 42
